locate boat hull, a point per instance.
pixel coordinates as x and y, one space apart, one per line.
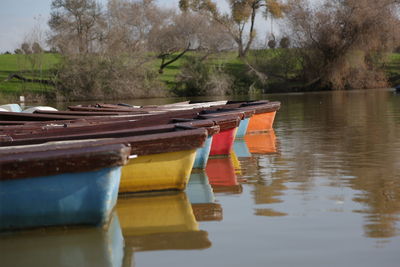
242 129
261 122
85 198
202 154
164 171
222 142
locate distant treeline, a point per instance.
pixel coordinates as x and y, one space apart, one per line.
131 49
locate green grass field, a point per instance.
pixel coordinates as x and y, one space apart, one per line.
22 65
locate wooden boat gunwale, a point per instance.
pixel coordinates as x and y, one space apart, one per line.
60 157
176 138
194 120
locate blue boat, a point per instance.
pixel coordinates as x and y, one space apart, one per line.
59 184
242 129
202 154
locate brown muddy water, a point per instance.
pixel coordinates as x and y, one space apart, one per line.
322 189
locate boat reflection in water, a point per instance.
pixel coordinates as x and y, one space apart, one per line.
92 246
159 222
241 149
261 143
222 175
202 198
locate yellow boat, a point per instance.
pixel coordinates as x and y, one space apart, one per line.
157 172
160 222
164 160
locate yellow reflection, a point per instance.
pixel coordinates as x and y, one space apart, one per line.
160 222
236 163
269 213
261 143
156 214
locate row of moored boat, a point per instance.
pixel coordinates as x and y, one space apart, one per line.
62 168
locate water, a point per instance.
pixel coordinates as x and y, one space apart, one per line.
322 189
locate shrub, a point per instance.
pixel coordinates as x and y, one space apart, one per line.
94 76
199 78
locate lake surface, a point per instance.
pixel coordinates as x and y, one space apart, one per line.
322 189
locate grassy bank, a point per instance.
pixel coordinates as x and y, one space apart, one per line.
41 67
28 66
393 69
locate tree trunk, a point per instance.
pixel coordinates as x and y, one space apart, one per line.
165 64
19 77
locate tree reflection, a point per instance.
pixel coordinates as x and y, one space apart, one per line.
339 140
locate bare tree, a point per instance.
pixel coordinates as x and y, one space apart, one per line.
76 25
342 41
242 16
131 22
179 33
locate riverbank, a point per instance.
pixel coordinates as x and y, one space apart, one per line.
34 68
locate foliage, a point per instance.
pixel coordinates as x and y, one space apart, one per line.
342 40
284 42
198 78
279 63
105 77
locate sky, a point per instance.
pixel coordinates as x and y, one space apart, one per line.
18 17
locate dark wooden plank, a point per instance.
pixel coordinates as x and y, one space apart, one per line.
51 159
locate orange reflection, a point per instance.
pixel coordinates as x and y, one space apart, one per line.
261 143
222 176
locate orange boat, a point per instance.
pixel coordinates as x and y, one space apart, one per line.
264 116
261 122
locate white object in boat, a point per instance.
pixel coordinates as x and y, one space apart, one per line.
33 109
